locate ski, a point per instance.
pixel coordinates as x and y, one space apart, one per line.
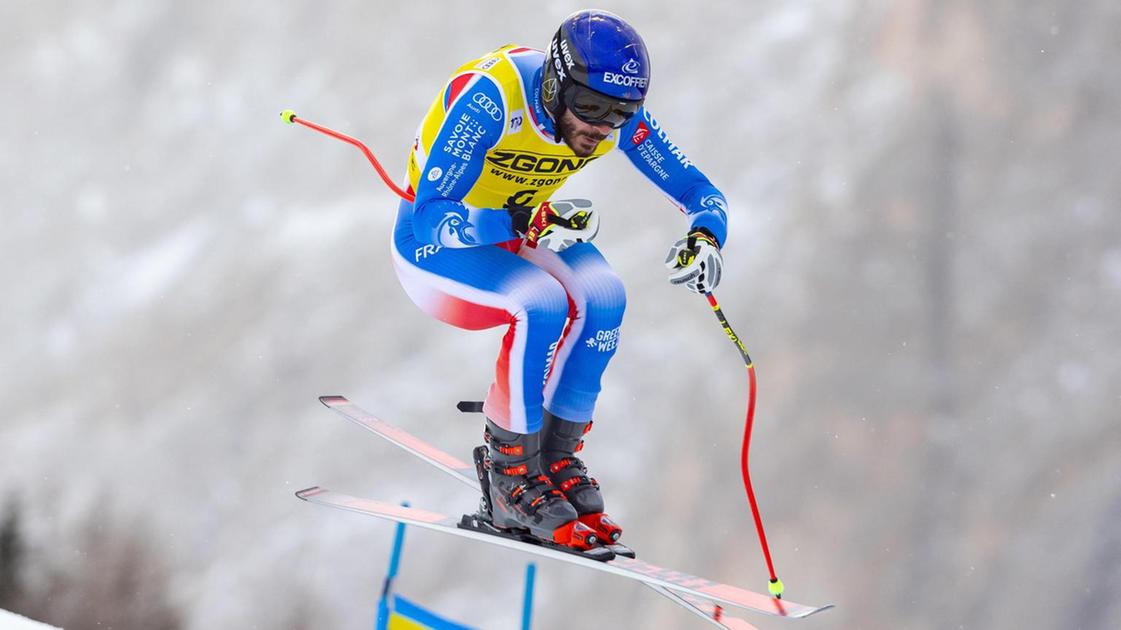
465 474
620 565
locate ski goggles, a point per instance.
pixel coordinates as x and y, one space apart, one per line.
596 108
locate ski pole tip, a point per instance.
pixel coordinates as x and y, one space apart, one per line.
288 116
776 588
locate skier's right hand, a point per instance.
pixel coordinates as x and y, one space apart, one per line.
556 225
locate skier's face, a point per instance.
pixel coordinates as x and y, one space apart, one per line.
581 137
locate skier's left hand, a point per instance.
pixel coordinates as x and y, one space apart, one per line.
695 261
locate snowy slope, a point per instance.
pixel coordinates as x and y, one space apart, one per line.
12 621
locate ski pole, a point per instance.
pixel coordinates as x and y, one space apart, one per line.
775 587
290 117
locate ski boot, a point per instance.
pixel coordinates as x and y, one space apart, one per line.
560 442
517 496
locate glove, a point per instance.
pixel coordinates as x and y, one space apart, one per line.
556 225
695 261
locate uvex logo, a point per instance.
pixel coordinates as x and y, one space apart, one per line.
533 163
568 61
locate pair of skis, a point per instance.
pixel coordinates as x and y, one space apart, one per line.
703 598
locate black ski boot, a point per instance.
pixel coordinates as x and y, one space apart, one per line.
518 496
562 440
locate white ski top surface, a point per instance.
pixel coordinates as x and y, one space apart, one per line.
465 473
626 567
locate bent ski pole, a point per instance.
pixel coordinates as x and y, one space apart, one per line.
775 587
290 117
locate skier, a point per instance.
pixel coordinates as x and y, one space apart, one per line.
482 246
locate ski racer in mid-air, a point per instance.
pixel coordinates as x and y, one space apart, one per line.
484 245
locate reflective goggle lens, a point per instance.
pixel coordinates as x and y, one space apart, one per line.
597 109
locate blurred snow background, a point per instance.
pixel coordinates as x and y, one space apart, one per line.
924 260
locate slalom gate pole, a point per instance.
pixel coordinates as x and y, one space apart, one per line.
527 599
775 587
382 621
290 117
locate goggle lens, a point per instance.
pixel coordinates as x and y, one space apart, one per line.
595 108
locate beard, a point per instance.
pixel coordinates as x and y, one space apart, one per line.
582 141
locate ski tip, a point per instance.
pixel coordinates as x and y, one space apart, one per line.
820 609
332 401
307 493
809 610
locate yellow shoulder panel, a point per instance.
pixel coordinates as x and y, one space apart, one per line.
526 166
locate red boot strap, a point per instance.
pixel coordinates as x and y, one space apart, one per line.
538 501
515 451
567 462
517 491
579 446
559 465
513 471
567 484
578 480
588 427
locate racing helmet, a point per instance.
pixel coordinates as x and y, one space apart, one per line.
597 68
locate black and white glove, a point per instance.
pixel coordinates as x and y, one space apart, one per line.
556 225
695 261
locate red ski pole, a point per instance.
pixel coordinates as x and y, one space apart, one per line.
775 587
290 117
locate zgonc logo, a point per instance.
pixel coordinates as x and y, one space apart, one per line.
532 163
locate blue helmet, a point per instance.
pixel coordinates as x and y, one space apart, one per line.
597 68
